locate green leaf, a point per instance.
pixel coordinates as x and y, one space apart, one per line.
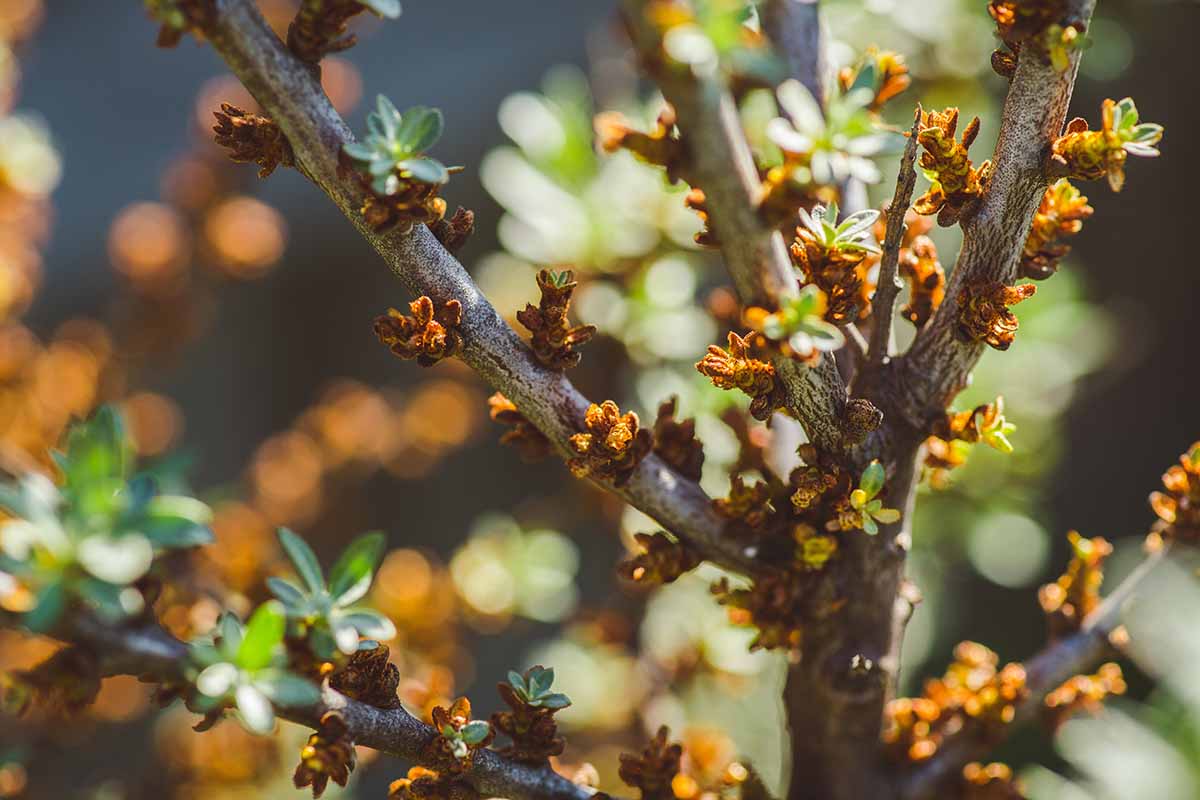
425 170
869 527
264 634
287 689
321 643
554 700
288 593
517 681
255 710
369 624
386 117
388 9
872 479
217 679
475 731
303 559
358 151
350 577
540 681
97 449
50 603
229 628
420 127
175 521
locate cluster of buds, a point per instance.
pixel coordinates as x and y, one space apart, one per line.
813 549
530 443
179 17
429 335
983 314
320 25
552 338
612 447
1076 593
696 200
1092 155
1083 694
675 441
834 257
736 368
818 477
993 781
662 560
530 724
1178 507
459 736
973 690
453 233
750 505
400 181
661 146
423 783
369 677
328 755
942 456
882 71
1060 215
653 771
984 423
775 604
252 139
956 185
1041 23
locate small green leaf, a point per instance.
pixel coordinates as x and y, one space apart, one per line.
358 151
255 710
869 527
287 689
293 599
217 679
425 170
369 624
420 127
554 700
475 731
229 628
872 479
350 577
540 681
386 116
264 634
517 681
303 559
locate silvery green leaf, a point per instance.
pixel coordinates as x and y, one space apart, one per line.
369 624
1142 150
540 681
50 603
800 105
217 679
857 223
787 138
869 527
517 681
293 599
117 560
351 575
303 559
689 44
425 170
18 538
346 637
554 700
388 116
824 336
358 151
286 688
230 630
420 127
863 169
1147 133
255 710
822 167
381 166
475 731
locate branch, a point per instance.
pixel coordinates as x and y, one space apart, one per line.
722 165
289 93
794 28
939 364
149 651
1046 671
888 284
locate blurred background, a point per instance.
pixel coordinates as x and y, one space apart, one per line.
231 318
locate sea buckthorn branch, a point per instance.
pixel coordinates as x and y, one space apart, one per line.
287 91
148 651
1046 671
938 364
721 164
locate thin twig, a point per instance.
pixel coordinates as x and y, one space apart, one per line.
147 650
1047 670
888 284
292 97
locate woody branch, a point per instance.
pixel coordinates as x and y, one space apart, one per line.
287 90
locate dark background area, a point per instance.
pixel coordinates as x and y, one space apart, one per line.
119 110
